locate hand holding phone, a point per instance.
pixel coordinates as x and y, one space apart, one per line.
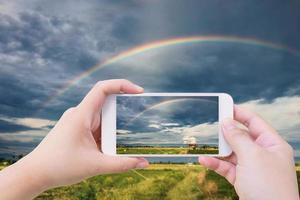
70 152
74 145
262 164
165 124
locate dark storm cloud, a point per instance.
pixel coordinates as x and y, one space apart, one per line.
69 44
14 147
43 50
244 71
47 43
7 127
18 98
125 28
61 39
245 18
246 75
130 107
158 113
35 51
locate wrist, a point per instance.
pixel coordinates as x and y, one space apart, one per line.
22 180
27 178
33 172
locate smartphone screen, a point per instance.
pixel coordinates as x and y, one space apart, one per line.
167 124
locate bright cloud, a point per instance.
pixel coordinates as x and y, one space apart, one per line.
154 126
25 136
202 130
34 123
189 140
123 132
34 129
170 124
283 114
176 130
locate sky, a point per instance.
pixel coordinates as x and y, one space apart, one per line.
44 45
162 120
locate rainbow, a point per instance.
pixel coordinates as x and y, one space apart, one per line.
166 102
165 43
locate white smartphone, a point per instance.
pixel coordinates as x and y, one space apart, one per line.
165 124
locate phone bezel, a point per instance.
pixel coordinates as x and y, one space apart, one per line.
108 127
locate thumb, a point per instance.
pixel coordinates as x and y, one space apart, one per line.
116 164
238 139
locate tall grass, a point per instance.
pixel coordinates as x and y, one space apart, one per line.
160 181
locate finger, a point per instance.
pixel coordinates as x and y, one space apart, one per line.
238 139
232 158
97 136
116 164
94 100
224 168
256 125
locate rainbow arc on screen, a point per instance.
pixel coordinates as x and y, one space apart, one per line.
166 43
166 102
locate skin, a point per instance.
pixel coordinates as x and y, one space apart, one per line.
262 164
70 152
261 167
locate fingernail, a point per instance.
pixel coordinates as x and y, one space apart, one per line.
142 165
228 124
139 88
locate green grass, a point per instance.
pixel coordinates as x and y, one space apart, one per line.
159 181
165 150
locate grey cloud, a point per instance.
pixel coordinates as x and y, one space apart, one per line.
38 54
246 72
44 50
180 18
11 147
8 127
43 44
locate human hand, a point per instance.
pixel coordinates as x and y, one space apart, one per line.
262 164
71 151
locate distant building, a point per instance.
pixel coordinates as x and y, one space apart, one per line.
190 141
192 145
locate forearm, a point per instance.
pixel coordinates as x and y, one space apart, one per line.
21 180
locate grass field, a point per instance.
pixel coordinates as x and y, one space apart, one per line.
159 181
166 150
